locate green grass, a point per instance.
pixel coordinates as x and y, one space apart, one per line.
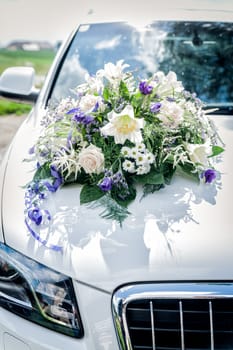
9 107
39 60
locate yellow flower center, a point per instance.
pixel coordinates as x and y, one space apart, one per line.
125 125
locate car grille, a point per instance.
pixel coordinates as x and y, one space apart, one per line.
174 316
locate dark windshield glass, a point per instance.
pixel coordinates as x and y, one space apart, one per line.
200 54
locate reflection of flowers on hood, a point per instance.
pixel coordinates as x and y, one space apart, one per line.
117 133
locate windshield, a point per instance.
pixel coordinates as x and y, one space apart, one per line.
200 53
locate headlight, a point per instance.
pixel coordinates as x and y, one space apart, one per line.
37 293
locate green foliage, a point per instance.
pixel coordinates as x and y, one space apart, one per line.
42 173
90 193
8 107
40 60
216 150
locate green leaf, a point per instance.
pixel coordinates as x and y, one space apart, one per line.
154 177
90 193
216 150
189 170
42 173
168 171
123 91
106 94
148 189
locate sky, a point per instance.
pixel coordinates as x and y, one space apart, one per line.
53 20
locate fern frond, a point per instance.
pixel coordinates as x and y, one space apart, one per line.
112 210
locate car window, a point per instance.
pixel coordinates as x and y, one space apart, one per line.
200 53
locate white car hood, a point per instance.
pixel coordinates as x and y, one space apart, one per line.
183 232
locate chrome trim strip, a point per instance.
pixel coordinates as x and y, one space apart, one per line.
152 325
181 325
124 295
211 326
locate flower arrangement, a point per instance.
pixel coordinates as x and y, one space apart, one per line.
117 133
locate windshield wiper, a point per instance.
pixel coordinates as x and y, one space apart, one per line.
220 108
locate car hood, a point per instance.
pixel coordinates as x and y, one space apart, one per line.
183 232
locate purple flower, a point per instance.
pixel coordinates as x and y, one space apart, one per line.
170 99
88 119
69 139
78 116
96 107
32 150
57 182
145 88
81 117
35 215
106 184
209 175
155 107
117 178
73 110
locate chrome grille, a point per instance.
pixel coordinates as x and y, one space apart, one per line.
174 316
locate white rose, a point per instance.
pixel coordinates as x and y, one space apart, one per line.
91 159
198 153
88 102
171 114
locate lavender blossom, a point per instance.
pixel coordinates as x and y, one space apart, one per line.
155 107
145 88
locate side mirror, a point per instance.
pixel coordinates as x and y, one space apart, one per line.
18 83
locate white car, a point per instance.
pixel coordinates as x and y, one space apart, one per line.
155 274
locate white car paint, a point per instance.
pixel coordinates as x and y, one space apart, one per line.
182 232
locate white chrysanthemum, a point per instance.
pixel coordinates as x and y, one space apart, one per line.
141 147
143 169
171 114
199 153
141 159
129 166
125 151
134 152
150 157
124 126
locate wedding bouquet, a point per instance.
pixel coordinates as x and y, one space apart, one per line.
118 133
